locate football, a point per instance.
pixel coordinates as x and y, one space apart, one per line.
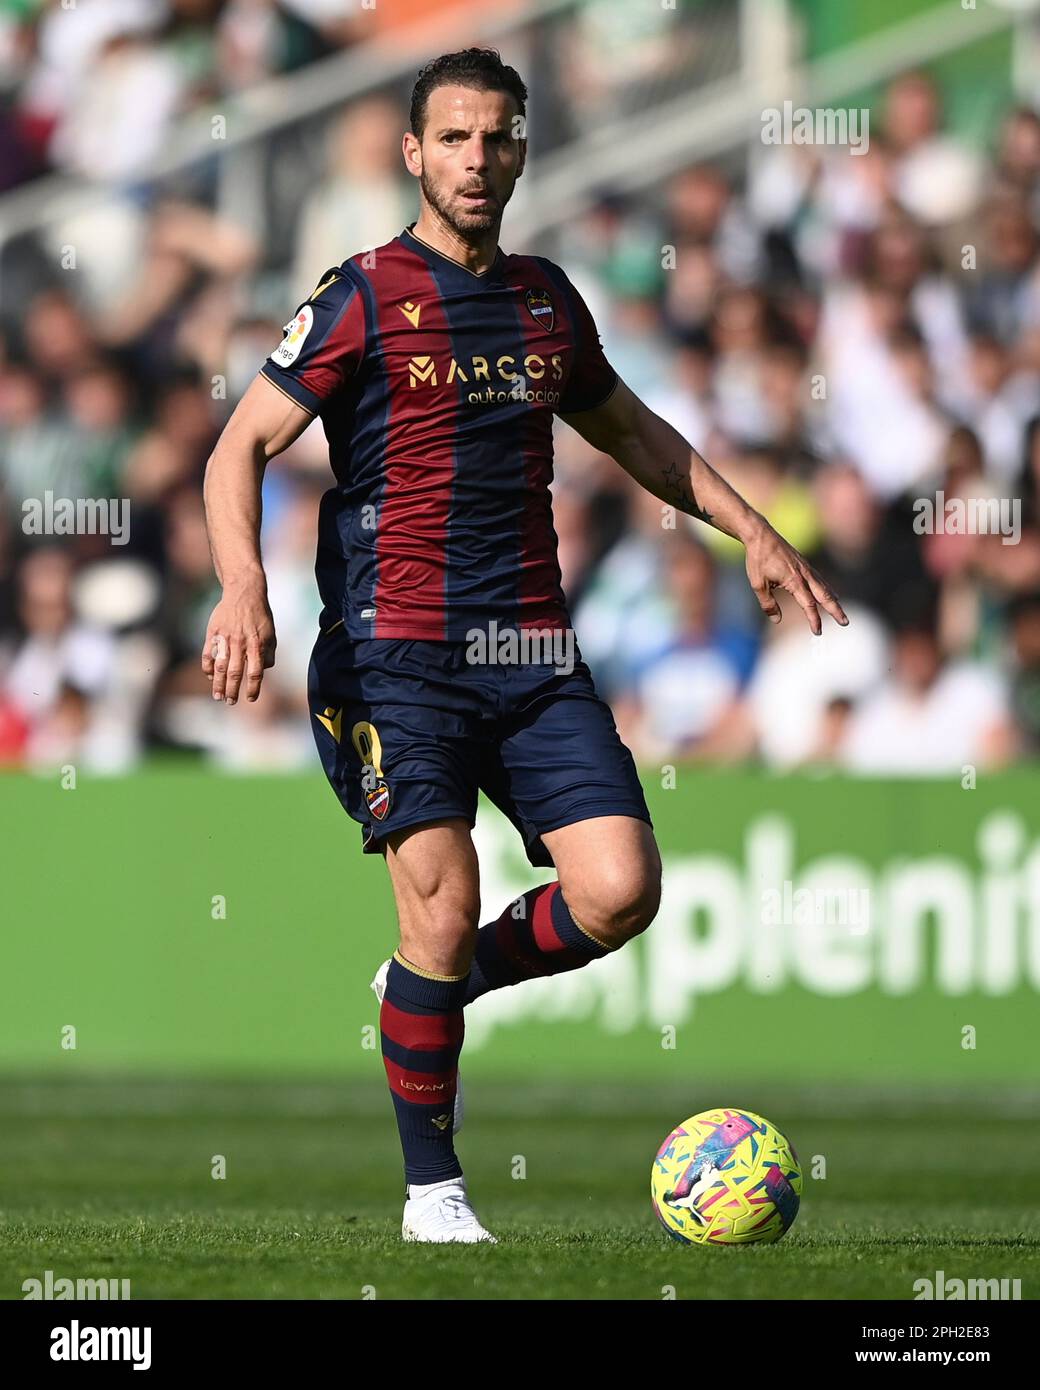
726 1177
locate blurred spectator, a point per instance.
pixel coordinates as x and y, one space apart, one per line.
1025 671
931 716
869 556
937 178
684 395
761 477
55 664
192 588
365 198
684 694
615 53
621 607
186 248
1007 301
805 687
1018 156
1000 398
126 102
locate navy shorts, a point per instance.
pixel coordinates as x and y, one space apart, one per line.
408 731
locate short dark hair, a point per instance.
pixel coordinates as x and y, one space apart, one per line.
480 68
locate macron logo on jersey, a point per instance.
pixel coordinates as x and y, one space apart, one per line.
323 286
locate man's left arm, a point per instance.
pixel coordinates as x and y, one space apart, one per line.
659 459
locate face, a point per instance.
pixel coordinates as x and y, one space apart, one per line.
1026 632
911 110
847 510
690 577
46 580
470 157
917 660
1020 145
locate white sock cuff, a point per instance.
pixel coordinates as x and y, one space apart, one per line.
421 1189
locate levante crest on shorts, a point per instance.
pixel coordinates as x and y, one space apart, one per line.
369 748
378 798
541 307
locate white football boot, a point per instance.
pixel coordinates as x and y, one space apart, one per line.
440 1214
379 989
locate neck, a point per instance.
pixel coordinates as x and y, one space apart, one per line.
477 254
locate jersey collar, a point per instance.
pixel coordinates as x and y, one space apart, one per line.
434 257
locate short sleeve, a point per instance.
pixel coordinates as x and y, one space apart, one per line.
592 379
323 344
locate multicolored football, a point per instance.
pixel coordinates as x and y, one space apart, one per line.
726 1177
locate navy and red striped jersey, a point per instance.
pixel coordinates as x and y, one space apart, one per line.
437 389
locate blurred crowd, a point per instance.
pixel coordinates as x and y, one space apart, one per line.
839 334
97 87
843 336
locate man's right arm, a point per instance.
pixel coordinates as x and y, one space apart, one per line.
322 347
240 638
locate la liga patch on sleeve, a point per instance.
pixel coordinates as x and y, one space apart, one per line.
296 330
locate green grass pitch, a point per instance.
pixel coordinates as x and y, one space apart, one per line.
112 1179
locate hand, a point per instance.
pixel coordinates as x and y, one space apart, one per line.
240 641
772 563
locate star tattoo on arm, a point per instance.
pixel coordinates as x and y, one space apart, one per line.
678 490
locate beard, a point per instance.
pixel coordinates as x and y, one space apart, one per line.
462 220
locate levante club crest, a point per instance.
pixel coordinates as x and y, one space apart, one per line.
541 308
378 798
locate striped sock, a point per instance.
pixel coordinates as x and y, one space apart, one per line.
421 1026
536 935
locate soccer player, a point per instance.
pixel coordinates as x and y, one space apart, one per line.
445 660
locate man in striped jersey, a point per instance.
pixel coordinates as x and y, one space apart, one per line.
445 663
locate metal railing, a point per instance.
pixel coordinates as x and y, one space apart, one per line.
292 111
720 66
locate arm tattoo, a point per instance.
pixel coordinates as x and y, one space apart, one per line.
680 493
